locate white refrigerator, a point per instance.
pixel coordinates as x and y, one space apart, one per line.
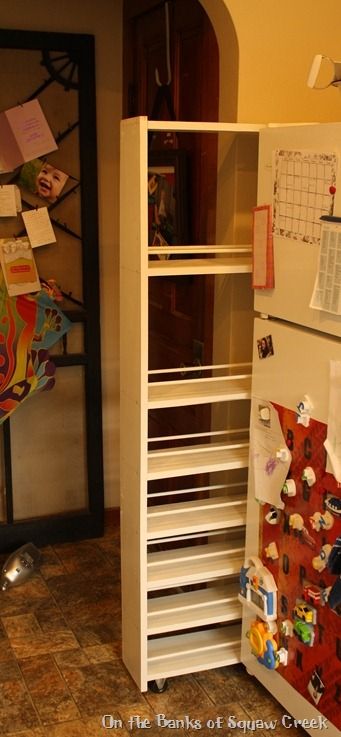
290 584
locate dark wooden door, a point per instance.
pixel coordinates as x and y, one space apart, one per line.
181 308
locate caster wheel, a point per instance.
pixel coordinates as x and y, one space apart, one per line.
159 685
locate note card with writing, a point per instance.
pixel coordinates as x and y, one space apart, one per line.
8 202
24 135
38 227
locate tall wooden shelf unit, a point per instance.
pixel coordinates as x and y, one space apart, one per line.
180 557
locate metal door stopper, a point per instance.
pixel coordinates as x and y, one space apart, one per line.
19 566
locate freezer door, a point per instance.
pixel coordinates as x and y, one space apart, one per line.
295 369
296 261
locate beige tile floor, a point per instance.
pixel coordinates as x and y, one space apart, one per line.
60 665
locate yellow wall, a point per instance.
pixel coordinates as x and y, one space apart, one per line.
275 41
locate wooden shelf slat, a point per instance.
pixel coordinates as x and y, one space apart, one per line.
198 608
193 516
198 391
197 459
189 250
196 266
203 126
190 652
194 564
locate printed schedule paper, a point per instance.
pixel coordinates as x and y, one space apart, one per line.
304 189
38 227
24 135
327 289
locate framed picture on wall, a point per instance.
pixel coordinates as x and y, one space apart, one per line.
53 73
167 199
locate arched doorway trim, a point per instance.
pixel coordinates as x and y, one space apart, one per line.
225 31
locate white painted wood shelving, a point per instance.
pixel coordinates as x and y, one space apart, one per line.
181 550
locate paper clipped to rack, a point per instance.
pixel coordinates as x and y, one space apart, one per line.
327 288
24 135
262 249
270 457
18 266
38 227
9 200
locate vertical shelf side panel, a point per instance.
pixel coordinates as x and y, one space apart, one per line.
233 305
133 394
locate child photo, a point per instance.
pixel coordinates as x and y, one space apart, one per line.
42 179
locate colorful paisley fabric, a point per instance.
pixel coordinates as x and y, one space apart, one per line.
29 326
